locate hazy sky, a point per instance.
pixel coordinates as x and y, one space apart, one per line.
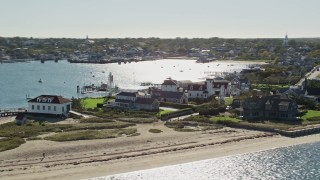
160 18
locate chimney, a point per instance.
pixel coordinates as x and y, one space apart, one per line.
305 83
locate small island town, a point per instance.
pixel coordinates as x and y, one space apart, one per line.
159 108
278 95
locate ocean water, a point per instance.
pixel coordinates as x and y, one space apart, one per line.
62 78
300 162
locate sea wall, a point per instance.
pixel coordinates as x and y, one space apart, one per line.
295 133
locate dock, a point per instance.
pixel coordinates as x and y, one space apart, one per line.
11 111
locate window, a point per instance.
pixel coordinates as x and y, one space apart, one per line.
255 114
62 109
283 107
38 107
43 107
32 107
54 108
268 106
49 108
189 94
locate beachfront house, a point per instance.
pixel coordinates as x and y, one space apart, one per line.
134 101
49 104
203 90
197 91
275 107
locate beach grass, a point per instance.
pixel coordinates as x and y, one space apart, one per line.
10 143
193 123
95 120
221 119
90 134
30 129
98 126
138 120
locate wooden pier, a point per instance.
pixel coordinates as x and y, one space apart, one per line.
11 111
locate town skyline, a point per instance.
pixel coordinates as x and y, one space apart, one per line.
165 19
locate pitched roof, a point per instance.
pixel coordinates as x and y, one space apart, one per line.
50 99
197 87
145 100
123 101
220 81
256 103
131 94
169 94
169 82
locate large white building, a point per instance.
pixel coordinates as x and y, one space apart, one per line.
218 87
49 104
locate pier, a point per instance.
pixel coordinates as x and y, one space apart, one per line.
11 111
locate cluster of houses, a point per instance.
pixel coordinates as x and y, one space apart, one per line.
280 104
179 92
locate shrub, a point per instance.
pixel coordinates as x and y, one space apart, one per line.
96 120
315 118
155 130
138 120
90 134
302 113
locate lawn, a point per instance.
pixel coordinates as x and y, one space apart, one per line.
228 100
91 103
310 114
165 112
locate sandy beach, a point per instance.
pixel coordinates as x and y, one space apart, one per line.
94 158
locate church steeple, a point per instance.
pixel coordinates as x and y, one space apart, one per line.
285 41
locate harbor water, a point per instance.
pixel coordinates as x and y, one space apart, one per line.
20 79
294 163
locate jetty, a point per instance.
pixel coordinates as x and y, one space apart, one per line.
11 111
108 88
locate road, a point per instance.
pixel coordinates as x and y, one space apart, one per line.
313 74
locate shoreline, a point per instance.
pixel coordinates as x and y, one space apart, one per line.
97 158
227 150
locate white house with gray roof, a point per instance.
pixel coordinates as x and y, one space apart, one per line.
49 104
